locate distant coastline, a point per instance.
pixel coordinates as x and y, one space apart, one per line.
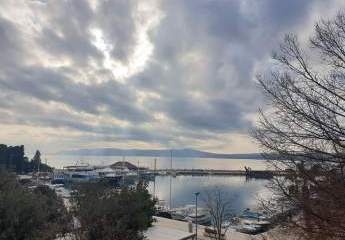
191 153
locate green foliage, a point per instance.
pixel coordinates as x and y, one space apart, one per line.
30 214
36 163
110 214
13 159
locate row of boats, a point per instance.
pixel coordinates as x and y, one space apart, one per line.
248 221
188 213
115 173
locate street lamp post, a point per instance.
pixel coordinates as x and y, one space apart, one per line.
196 214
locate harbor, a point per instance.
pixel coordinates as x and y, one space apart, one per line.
174 185
173 189
179 223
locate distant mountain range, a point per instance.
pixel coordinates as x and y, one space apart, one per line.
191 153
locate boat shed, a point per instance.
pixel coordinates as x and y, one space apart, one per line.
168 229
124 165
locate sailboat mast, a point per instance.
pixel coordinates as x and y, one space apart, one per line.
38 170
170 178
123 170
154 180
170 160
170 193
138 172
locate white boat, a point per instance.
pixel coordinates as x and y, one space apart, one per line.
161 206
226 224
80 173
182 212
202 216
256 218
105 171
249 228
247 214
84 173
252 222
128 175
179 213
262 223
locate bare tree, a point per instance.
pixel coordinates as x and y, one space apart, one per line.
304 128
219 206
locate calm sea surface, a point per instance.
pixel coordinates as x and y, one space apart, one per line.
243 193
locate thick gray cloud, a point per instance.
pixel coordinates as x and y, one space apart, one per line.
67 34
48 85
171 73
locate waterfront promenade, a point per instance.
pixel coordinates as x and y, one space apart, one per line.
172 229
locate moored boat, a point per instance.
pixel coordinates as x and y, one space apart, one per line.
248 214
249 228
179 213
202 216
251 222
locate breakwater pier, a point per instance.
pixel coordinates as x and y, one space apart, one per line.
203 172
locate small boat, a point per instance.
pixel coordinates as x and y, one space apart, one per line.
262 223
247 214
252 222
161 206
202 216
179 213
162 210
249 228
226 224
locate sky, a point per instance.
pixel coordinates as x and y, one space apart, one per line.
141 74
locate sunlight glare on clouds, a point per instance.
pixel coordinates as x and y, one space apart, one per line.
146 18
160 116
143 96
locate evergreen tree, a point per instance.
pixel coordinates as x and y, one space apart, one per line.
113 215
27 214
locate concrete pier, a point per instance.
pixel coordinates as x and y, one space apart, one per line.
266 174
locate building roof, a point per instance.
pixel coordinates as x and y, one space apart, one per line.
123 164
